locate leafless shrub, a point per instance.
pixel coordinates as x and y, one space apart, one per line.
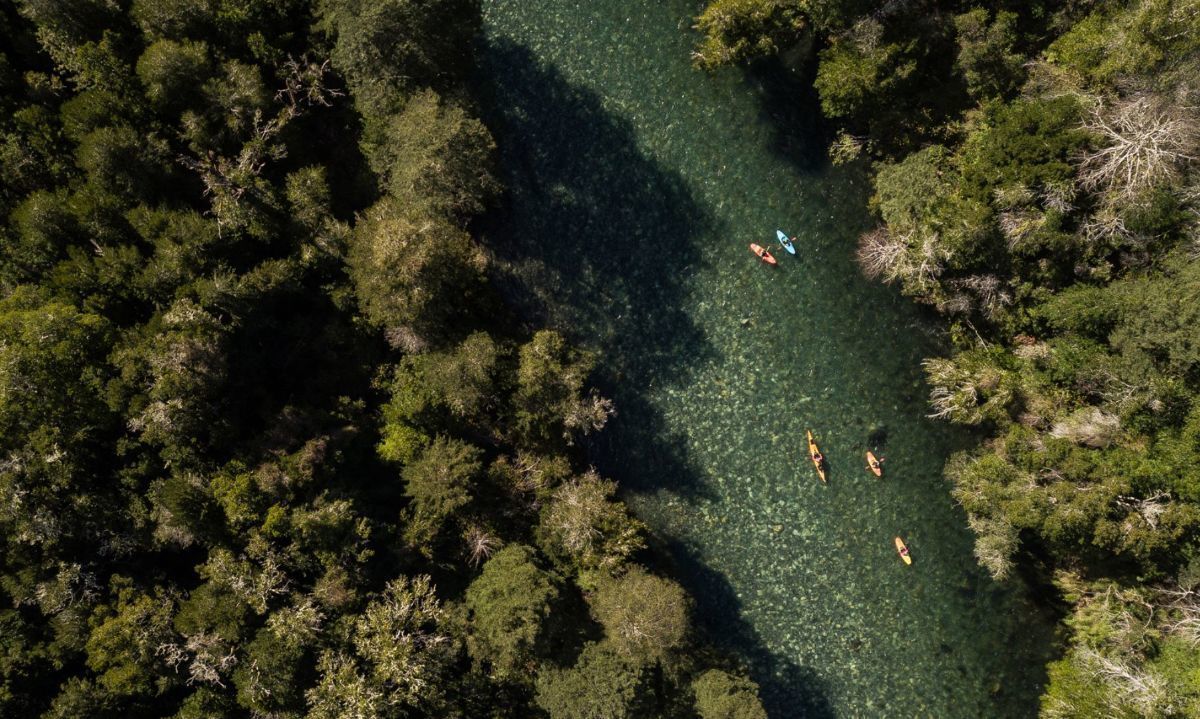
1019 225
995 543
1148 508
1106 226
1090 427
955 303
1184 605
866 34
70 586
967 390
207 657
405 339
1013 196
480 544
846 148
879 254
1059 196
1033 351
990 296
587 415
304 83
889 257
1133 685
952 393
1146 142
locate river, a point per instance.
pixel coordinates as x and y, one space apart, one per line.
635 184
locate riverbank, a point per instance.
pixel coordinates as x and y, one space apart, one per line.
635 185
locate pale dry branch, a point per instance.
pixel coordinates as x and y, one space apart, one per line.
1145 142
879 253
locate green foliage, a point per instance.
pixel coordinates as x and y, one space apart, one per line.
985 52
172 71
223 258
510 605
269 680
45 227
211 609
720 695
173 19
550 400
737 30
407 266
122 162
51 366
853 78
437 390
440 481
386 49
124 642
343 690
601 685
431 151
908 192
1027 143
584 523
1158 320
185 368
1117 42
645 617
1084 310
399 637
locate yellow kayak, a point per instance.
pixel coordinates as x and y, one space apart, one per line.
815 455
874 465
902 550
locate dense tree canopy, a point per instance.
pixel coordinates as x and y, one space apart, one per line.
1035 180
269 446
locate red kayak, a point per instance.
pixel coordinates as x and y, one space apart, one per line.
762 254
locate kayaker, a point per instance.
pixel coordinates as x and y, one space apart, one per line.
818 457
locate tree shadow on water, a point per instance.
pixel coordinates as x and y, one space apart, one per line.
788 690
598 241
785 92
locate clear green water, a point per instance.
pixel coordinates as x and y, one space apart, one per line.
636 184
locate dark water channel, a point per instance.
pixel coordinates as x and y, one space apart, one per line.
636 184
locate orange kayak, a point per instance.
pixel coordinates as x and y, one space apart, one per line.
874 465
902 550
815 455
762 253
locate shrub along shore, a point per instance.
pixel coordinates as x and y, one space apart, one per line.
1036 182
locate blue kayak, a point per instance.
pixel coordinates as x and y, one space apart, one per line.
783 240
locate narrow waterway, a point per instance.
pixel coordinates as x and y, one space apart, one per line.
635 185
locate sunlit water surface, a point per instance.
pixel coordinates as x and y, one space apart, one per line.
635 185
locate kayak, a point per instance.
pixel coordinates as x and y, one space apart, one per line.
815 455
762 254
874 465
783 240
902 550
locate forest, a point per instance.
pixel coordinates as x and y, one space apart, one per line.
271 444
1035 177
